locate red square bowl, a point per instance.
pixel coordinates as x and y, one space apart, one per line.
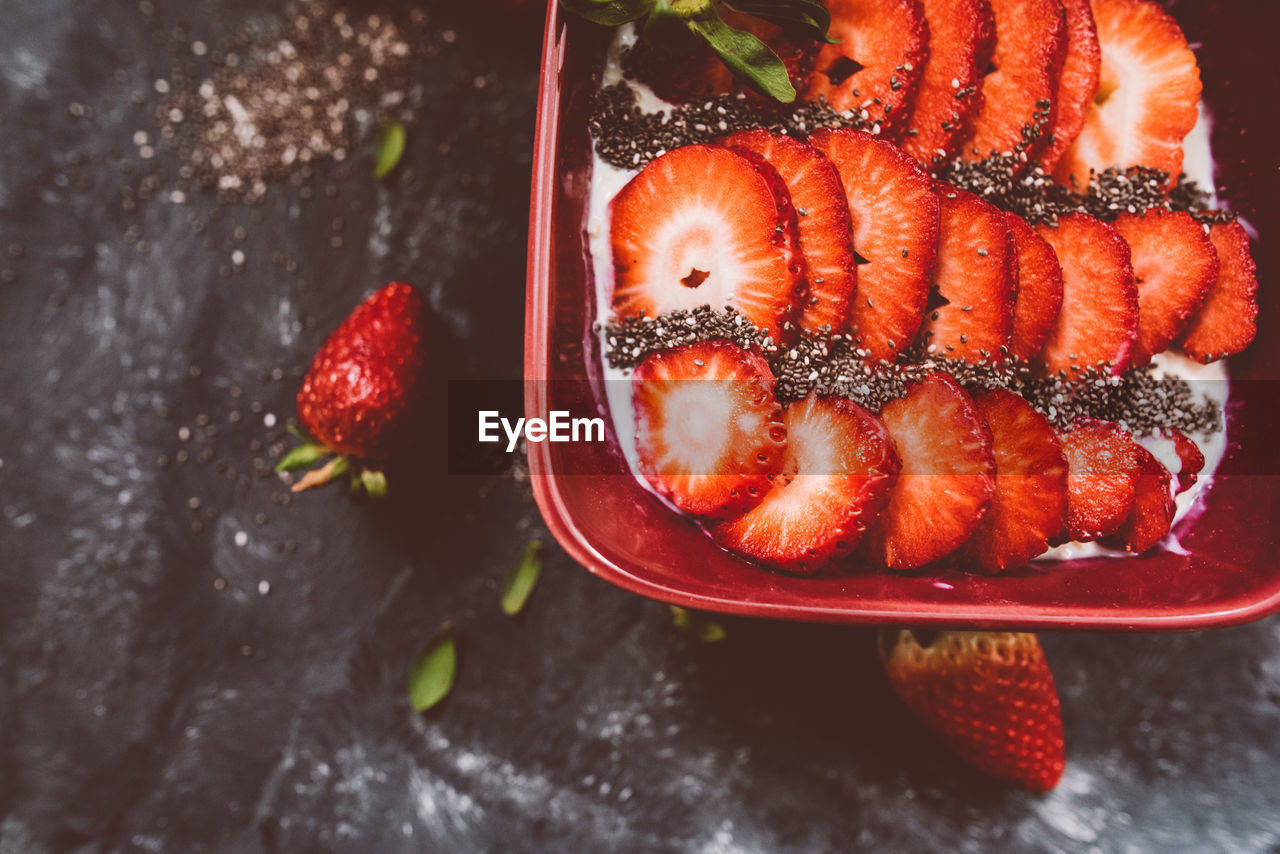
1228 571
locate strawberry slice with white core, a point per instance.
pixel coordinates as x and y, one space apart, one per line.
1031 41
1031 485
1228 320
1098 323
895 232
1077 84
822 214
1174 265
709 433
1148 91
1039 297
1153 507
875 68
703 225
947 477
962 36
1103 464
840 465
975 281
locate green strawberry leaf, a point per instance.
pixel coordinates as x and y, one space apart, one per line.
696 624
374 483
432 673
809 17
747 56
521 579
390 149
610 13
301 457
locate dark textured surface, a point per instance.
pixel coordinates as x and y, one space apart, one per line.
153 699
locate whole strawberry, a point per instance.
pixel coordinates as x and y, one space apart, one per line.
360 395
988 695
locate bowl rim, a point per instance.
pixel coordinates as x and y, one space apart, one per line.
560 520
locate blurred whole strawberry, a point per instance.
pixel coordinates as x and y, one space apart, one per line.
360 397
989 696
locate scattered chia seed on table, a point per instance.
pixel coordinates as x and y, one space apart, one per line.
288 97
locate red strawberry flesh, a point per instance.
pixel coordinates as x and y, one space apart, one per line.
1031 41
709 432
1077 83
840 465
1153 507
876 66
1098 323
1039 296
962 37
975 280
1031 485
703 225
1174 266
1228 320
947 476
822 215
895 230
1103 464
1147 96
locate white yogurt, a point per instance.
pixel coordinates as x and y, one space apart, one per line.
607 180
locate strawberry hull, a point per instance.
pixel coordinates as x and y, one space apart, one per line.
624 533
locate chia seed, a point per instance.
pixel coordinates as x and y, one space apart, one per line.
831 364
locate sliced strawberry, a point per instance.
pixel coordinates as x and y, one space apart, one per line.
1153 507
702 225
1031 41
1102 477
709 432
962 36
840 465
1190 456
1077 83
895 231
876 66
1039 290
1148 89
1098 322
1229 319
989 696
826 229
1031 485
1174 265
975 281
947 477
695 73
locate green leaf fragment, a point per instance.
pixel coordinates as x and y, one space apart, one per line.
746 55
610 13
808 17
432 673
374 483
521 579
390 149
301 457
697 624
